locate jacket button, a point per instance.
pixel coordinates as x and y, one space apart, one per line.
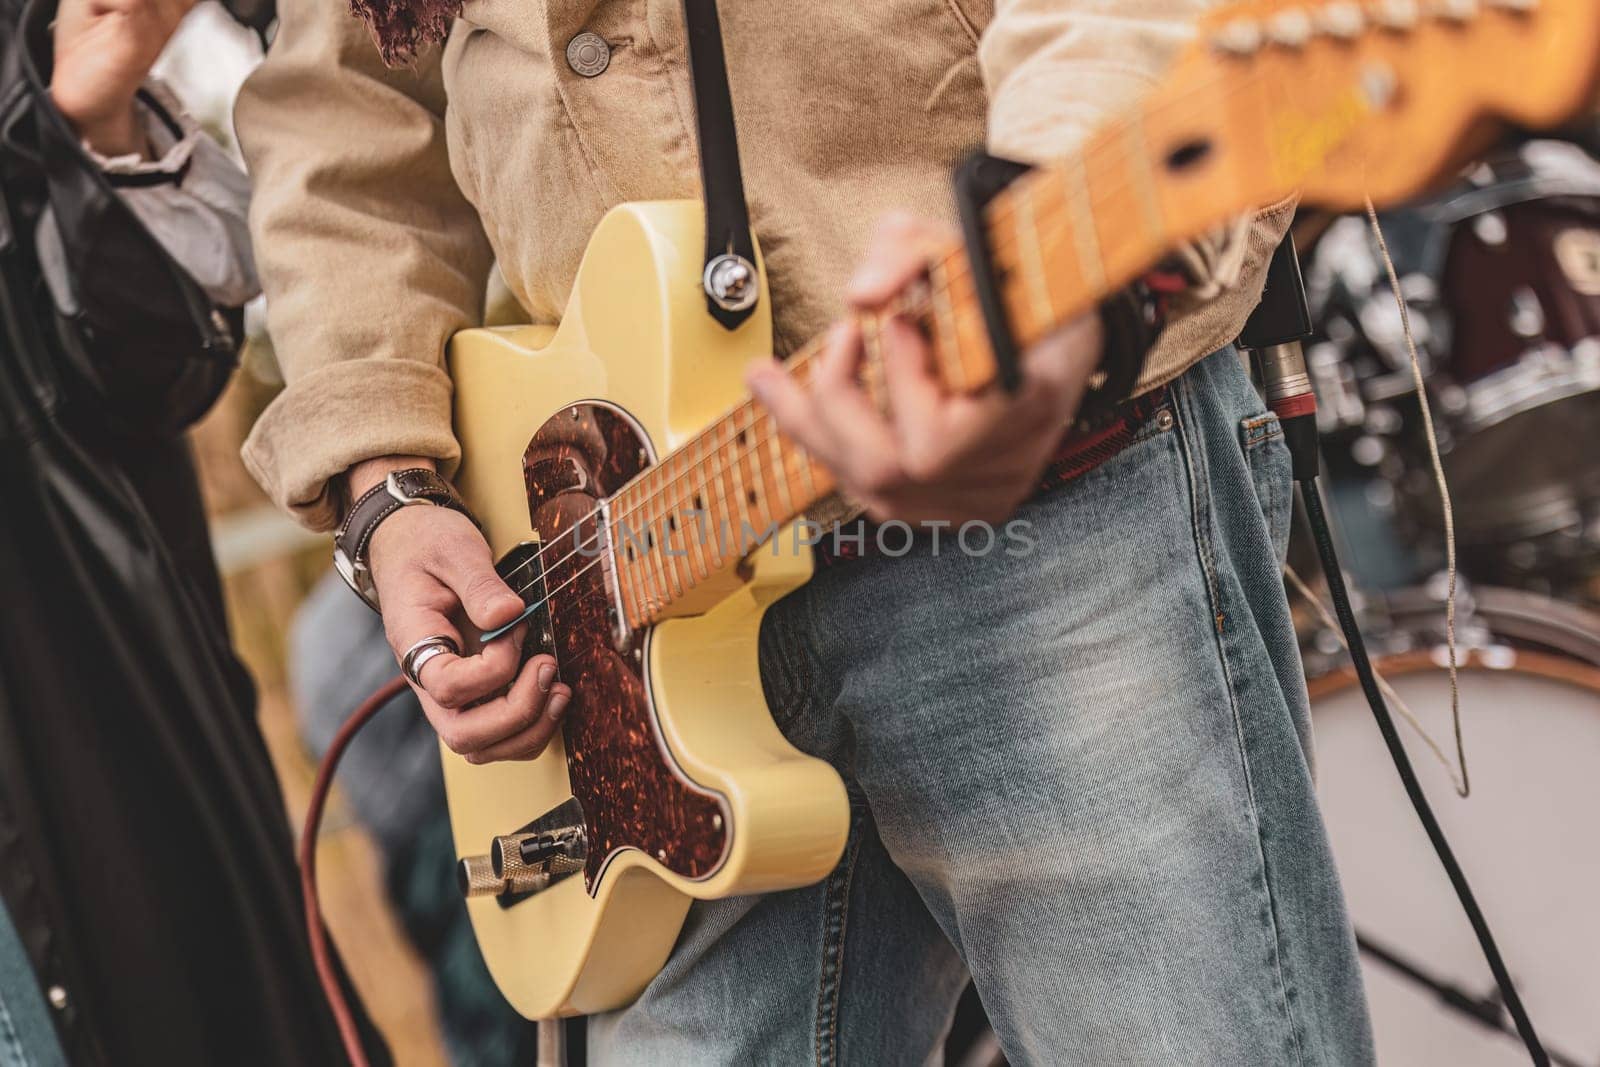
588 54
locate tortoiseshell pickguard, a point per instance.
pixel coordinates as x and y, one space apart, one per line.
631 795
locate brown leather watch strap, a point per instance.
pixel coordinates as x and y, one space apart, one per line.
414 485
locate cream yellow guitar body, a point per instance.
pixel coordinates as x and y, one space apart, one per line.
636 335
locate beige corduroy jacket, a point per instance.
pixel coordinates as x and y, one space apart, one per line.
384 196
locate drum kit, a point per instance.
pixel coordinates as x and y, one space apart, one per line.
1501 279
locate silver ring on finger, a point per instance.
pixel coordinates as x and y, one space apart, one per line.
417 656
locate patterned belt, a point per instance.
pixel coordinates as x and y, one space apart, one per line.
1081 451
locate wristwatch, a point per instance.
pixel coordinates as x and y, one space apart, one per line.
414 485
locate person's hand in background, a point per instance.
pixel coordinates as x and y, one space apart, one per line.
103 51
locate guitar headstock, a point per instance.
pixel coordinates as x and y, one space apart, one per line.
1342 99
1336 101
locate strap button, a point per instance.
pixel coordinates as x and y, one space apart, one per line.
588 54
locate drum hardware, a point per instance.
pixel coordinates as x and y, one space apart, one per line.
1533 659
1501 277
1277 328
1485 1011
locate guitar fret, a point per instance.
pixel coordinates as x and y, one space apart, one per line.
645 529
783 469
1034 274
873 369
805 472
719 472
741 517
760 477
691 541
1083 224
677 522
678 558
1144 184
652 543
708 516
946 343
759 484
621 548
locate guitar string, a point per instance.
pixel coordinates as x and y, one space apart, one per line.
951 262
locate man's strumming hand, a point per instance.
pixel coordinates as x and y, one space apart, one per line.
936 455
431 566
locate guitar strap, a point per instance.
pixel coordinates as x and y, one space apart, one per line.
729 274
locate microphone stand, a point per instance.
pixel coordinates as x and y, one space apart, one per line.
1275 336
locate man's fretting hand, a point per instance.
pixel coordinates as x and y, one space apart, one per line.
430 564
937 455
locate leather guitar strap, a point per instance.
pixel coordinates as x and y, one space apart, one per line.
728 277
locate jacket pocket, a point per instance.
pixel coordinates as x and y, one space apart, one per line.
1261 437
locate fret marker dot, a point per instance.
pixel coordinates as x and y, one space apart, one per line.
1188 154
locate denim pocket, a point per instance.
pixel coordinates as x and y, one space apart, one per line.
1261 437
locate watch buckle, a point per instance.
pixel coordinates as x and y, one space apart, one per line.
358 576
391 485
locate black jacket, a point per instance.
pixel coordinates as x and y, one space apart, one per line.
144 854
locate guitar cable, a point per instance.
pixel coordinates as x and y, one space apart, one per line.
1274 336
316 931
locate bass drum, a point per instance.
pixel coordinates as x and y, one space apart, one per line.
1527 836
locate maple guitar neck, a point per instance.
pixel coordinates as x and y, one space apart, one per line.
1337 101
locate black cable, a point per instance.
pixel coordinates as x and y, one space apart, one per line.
1311 496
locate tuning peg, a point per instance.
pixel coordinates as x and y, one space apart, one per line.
1398 14
1342 20
1291 28
1240 37
1456 10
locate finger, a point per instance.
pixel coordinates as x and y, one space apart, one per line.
418 606
916 398
462 562
1063 362
866 452
468 730
832 419
897 252
460 681
532 741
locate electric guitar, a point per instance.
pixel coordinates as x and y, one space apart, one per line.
616 463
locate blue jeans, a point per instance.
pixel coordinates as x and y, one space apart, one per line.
1082 775
27 1037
